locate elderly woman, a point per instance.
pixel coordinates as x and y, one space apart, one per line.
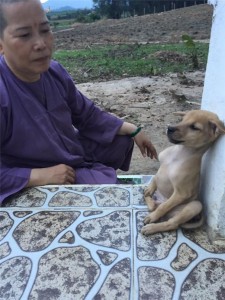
50 132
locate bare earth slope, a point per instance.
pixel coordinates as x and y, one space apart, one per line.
164 27
150 101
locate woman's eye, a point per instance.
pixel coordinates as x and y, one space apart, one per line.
45 30
25 35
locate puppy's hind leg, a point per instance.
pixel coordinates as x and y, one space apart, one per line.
181 217
189 211
149 191
196 207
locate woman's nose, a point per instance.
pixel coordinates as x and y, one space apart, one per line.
39 43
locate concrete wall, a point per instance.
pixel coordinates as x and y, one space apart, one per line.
213 169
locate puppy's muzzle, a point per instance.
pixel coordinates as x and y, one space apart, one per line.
171 130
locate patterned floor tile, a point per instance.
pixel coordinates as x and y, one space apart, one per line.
84 242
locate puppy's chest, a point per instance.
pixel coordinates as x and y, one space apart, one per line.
173 162
170 158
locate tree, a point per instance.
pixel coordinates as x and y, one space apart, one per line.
116 8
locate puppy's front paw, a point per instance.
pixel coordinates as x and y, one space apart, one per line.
150 203
150 218
148 229
149 191
147 219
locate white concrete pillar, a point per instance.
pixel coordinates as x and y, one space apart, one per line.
213 168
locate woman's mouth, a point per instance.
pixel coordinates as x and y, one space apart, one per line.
42 59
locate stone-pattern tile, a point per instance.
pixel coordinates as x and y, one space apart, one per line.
84 242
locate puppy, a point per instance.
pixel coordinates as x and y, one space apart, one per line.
173 193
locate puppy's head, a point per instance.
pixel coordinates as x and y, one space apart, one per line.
198 128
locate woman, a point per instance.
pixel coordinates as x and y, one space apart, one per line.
50 132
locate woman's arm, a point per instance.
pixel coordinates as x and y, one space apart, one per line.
127 129
145 145
12 180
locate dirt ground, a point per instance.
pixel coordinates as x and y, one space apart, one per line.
149 101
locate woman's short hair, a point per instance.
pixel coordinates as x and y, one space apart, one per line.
3 21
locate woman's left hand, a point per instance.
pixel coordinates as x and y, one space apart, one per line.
145 145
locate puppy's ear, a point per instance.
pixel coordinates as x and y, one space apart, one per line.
217 126
180 113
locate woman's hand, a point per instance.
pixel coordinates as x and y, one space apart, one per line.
59 174
145 145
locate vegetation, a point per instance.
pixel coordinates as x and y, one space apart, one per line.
64 19
122 8
114 62
191 45
114 9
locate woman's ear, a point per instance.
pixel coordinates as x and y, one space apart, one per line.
1 47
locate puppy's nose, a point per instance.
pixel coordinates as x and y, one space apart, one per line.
171 129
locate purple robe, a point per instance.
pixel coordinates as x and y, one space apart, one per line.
50 122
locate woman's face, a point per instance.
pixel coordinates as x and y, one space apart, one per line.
27 40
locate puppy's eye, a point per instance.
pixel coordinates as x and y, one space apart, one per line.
194 127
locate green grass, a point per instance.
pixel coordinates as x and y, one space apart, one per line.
118 61
61 24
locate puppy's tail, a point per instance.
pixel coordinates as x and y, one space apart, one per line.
192 224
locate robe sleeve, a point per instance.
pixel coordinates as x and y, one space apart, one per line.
12 179
91 121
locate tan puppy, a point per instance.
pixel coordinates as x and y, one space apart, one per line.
174 191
